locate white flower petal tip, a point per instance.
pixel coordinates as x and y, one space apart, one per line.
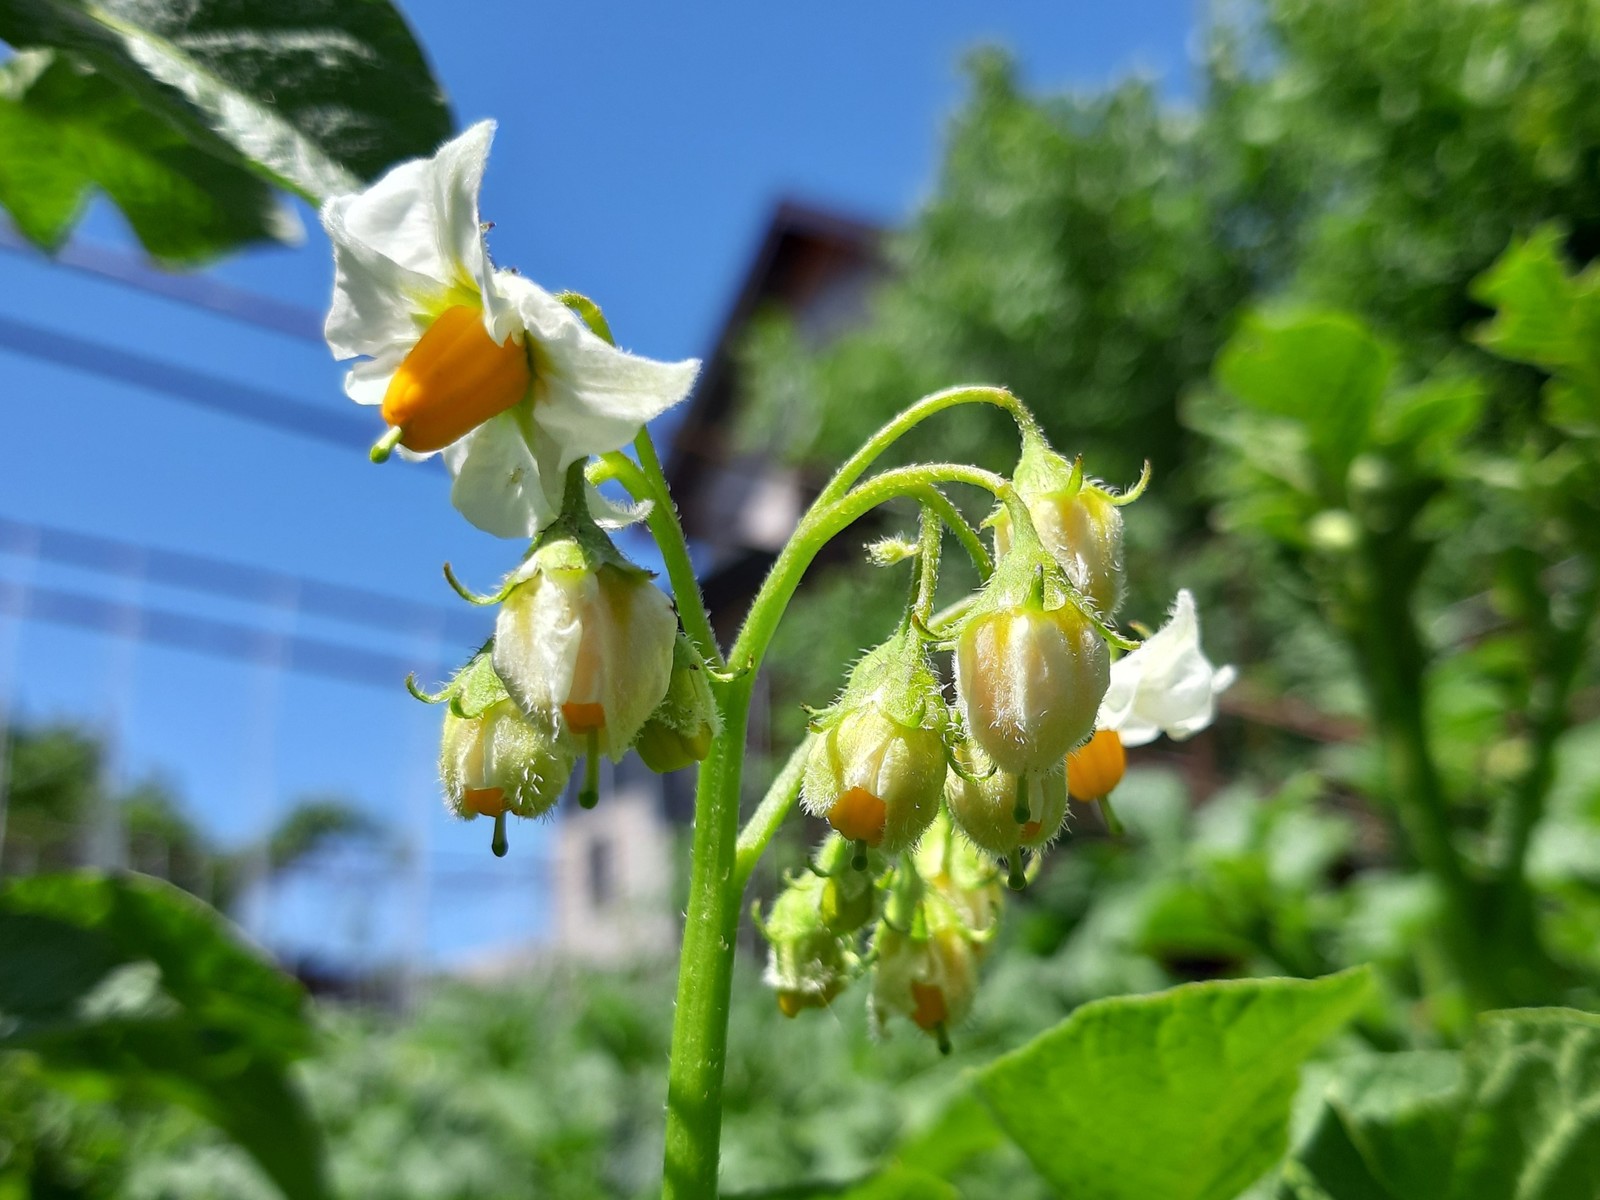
1166 686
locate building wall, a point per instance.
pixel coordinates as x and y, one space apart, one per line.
614 877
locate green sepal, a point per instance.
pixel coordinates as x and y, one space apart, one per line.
680 730
898 678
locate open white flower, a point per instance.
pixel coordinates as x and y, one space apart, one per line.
1167 685
474 361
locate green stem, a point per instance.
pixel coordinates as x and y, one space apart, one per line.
705 965
929 544
856 465
826 521
1394 663
775 806
645 481
1560 653
969 537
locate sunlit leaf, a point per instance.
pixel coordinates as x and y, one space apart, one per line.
1184 1094
66 131
191 104
1517 1115
1324 370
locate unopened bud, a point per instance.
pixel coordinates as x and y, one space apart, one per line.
927 965
680 730
492 760
876 766
1030 680
807 963
1078 520
584 639
985 803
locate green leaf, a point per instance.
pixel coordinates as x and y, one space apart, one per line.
128 980
1550 318
1325 371
1183 1094
66 130
1387 1127
1517 1115
317 95
1532 1130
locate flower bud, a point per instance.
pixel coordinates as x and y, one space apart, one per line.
493 761
927 962
876 766
984 804
584 639
1078 520
1030 681
1095 768
929 980
849 896
807 963
680 730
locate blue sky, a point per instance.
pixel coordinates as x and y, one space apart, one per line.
640 151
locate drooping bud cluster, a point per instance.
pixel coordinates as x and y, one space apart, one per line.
586 658
928 800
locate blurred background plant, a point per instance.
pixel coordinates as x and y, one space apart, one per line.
1339 302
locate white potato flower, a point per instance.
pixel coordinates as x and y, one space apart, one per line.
1167 685
473 361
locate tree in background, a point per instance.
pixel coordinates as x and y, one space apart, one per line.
57 791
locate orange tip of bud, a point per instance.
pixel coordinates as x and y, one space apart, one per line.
930 1011
486 802
584 718
860 816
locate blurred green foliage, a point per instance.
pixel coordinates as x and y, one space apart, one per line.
126 987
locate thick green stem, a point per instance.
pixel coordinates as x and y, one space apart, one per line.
705 965
1394 663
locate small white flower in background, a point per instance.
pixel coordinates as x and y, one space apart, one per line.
1167 685
472 361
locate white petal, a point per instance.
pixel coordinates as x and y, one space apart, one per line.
616 514
590 397
1165 686
423 214
366 382
499 485
375 300
536 640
